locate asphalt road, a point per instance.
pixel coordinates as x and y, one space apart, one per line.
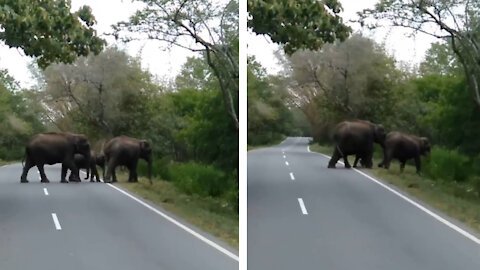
302 215
97 226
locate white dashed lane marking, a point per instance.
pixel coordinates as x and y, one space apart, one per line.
302 206
56 222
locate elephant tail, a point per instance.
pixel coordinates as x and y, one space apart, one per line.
339 150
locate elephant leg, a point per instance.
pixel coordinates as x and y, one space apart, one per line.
357 158
74 174
382 163
28 164
43 176
335 157
368 159
402 165
94 174
417 164
133 173
387 159
345 161
88 174
114 175
110 170
64 174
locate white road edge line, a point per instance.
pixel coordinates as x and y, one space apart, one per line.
55 221
291 176
185 228
286 163
308 148
302 206
419 206
45 191
284 156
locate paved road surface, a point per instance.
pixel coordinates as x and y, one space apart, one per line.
302 215
98 227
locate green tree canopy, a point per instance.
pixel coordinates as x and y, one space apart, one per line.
346 80
298 24
48 30
457 21
199 26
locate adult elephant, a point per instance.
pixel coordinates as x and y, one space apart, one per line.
51 148
90 165
403 147
125 151
356 138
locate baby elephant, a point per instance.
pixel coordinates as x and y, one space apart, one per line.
404 147
90 166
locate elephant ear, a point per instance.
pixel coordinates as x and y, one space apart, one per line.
81 144
144 145
425 143
380 133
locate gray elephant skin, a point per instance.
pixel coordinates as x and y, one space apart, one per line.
126 151
356 138
52 148
403 147
91 166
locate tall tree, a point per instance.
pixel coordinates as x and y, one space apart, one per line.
457 21
347 80
48 30
213 30
298 24
101 94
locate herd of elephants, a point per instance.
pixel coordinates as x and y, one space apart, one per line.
74 153
357 138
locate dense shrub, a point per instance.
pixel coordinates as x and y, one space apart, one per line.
448 165
201 179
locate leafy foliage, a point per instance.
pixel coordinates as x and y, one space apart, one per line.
457 21
298 24
269 117
48 30
349 80
199 26
18 117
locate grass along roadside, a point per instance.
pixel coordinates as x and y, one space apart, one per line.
5 162
457 200
208 214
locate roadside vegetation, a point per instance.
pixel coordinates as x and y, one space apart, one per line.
212 214
324 83
101 91
270 143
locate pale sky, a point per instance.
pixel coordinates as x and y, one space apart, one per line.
396 42
160 62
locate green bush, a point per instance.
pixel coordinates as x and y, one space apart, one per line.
231 196
475 182
448 165
201 179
